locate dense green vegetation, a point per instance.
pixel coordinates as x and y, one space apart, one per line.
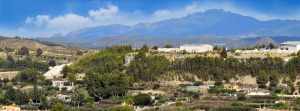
109 63
10 63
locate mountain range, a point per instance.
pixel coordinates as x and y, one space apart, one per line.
215 26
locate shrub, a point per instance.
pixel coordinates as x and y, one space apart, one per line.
179 103
155 86
198 83
142 99
241 96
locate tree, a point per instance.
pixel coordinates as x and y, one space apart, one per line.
5 80
271 46
44 104
262 79
155 47
52 63
223 54
241 96
28 75
107 85
233 50
216 48
71 77
58 107
23 51
78 97
142 99
155 86
7 49
198 83
11 61
35 95
10 94
38 52
21 97
79 52
144 48
122 108
66 70
168 46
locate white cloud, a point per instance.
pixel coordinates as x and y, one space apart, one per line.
41 20
68 20
29 20
161 12
21 29
104 13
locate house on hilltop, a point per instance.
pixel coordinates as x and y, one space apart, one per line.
290 46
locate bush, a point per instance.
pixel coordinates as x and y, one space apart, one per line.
158 97
218 83
237 104
142 99
202 107
158 103
5 80
173 99
179 103
241 96
262 86
155 86
198 83
122 108
57 107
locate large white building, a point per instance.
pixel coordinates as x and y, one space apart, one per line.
290 46
196 47
54 72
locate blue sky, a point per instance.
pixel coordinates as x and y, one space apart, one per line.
43 18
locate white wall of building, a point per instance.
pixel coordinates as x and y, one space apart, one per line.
196 48
290 46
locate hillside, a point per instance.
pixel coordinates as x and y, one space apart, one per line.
30 44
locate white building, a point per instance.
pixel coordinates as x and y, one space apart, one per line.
128 59
196 47
54 72
64 97
61 84
290 46
258 92
168 49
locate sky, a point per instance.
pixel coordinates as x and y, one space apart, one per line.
43 18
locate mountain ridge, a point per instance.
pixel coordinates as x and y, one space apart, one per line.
214 22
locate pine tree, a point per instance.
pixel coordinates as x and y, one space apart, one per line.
223 54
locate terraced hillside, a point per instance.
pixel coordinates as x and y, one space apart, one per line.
30 44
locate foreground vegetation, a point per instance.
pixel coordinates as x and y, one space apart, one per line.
108 81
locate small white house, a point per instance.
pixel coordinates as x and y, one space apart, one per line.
196 47
258 92
128 59
290 46
64 97
61 84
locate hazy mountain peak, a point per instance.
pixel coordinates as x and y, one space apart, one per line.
58 35
216 22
